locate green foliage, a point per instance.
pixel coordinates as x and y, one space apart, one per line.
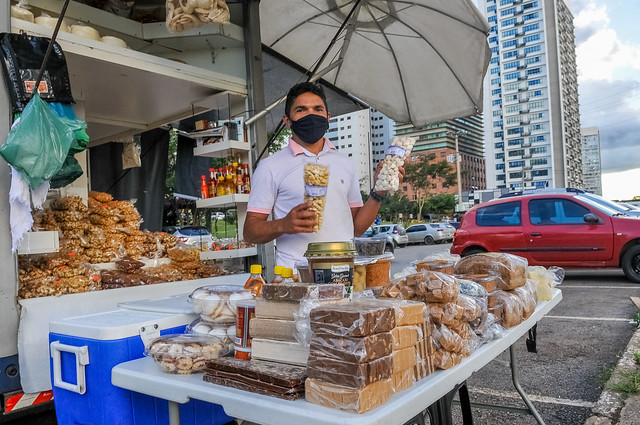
636 318
604 374
423 172
442 203
636 357
170 179
628 384
280 141
397 204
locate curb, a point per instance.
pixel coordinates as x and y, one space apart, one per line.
611 408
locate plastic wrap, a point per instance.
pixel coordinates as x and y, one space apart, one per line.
510 268
226 331
279 374
349 374
188 14
299 291
446 359
529 296
470 308
377 272
352 320
488 281
21 11
352 349
218 303
424 286
545 279
442 266
316 180
184 353
369 247
302 267
444 313
448 340
349 399
388 178
403 379
509 309
471 288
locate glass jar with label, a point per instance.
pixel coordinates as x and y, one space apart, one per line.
331 262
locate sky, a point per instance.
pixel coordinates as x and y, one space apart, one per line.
608 58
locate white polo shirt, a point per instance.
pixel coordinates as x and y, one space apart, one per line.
278 185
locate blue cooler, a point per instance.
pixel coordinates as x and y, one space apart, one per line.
84 349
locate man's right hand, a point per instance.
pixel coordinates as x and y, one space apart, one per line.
300 219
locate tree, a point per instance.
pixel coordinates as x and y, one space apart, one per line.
421 174
280 141
442 203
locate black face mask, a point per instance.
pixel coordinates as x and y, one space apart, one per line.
310 128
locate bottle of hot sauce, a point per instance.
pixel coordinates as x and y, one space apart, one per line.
255 281
221 186
239 181
212 182
246 179
204 190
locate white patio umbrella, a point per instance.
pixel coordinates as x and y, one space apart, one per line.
415 61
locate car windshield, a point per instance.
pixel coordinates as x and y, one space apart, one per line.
194 231
600 206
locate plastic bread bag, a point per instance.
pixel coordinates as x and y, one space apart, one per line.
352 320
180 17
441 256
471 288
446 359
445 338
185 353
352 375
388 178
510 307
403 285
529 296
437 287
511 268
407 312
351 349
545 280
488 281
300 291
444 313
349 399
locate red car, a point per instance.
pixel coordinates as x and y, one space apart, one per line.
567 228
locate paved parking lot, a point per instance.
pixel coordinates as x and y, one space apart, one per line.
578 342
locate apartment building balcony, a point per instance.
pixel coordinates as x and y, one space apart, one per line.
525 133
526 144
523 66
528 177
524 111
528 167
523 99
523 78
525 122
521 44
521 55
523 88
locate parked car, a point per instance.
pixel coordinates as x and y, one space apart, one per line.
430 233
197 236
553 228
390 243
396 231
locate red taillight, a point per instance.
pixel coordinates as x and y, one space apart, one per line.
395 232
439 230
182 239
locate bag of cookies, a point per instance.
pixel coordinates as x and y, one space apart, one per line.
316 180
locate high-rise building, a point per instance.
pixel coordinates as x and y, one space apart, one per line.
591 165
350 133
439 139
531 96
382 132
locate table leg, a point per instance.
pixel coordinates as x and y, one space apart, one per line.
174 413
516 383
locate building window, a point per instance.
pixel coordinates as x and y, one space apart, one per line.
404 188
350 155
443 154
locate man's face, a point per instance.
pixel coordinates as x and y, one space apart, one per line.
305 104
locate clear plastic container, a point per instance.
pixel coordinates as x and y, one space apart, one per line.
185 353
226 331
304 274
369 247
218 303
379 271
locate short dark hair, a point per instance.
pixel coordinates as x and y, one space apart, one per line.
302 88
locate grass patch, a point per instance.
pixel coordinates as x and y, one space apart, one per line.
224 229
636 357
604 374
628 384
636 318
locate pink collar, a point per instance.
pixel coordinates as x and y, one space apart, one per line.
296 149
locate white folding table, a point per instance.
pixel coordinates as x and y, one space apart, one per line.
146 377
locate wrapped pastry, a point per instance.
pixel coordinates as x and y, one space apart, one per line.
316 180
511 269
185 353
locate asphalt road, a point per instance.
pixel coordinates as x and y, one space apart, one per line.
578 342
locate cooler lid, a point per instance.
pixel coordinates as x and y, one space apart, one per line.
117 324
177 304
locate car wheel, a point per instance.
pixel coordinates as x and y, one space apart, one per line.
395 244
428 240
388 248
403 245
472 250
631 264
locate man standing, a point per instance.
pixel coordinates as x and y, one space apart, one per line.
278 185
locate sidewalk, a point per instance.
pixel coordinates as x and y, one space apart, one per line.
611 409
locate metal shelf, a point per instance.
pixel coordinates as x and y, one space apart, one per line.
225 201
228 253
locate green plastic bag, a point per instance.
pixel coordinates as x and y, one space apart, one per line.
38 144
71 169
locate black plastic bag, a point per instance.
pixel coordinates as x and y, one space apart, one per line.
22 58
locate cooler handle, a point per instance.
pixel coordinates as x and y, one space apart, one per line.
82 359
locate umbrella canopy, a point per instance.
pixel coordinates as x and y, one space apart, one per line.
414 61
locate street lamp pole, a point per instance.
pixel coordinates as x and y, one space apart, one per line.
458 161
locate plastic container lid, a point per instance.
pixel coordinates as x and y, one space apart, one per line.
256 269
278 269
330 250
287 272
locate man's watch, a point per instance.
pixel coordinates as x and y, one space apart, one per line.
376 197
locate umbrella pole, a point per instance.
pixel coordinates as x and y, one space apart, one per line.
50 48
315 75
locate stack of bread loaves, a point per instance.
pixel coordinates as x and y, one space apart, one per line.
515 298
351 357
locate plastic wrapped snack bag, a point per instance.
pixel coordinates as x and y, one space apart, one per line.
389 177
316 180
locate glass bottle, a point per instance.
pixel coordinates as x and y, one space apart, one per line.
287 275
229 187
255 281
277 271
204 190
212 182
246 180
221 187
239 181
